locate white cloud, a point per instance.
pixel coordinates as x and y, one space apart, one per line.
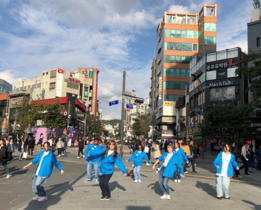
8 76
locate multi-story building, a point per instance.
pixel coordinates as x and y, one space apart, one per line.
5 87
214 81
82 83
180 37
152 93
254 45
3 113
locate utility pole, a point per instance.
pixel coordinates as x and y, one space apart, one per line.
122 112
67 130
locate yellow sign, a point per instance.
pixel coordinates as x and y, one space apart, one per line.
97 113
168 103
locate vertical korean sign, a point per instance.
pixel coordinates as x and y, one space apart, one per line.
160 88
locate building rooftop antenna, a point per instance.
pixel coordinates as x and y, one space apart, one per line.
256 4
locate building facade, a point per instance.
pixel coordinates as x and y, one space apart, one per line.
254 45
213 81
5 87
179 38
82 83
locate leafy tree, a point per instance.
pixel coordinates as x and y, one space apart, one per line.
93 127
105 132
226 120
141 125
253 74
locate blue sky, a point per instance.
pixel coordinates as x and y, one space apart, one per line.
113 35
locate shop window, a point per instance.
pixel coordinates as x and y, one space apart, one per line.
211 75
222 94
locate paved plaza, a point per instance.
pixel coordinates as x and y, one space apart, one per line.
68 191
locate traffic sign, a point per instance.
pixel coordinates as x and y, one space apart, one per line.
65 113
71 128
113 102
61 112
129 106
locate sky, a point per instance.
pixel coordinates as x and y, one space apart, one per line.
112 35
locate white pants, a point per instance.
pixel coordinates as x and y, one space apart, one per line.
222 186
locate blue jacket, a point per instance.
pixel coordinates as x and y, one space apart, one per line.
47 164
10 147
93 151
170 168
181 155
218 162
108 163
138 158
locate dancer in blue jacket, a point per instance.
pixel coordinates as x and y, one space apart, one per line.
138 156
93 149
109 156
181 157
166 169
45 161
224 164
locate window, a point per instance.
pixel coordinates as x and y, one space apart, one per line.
29 86
210 40
38 85
53 74
181 33
231 72
178 46
43 74
43 84
46 83
72 85
177 59
25 87
176 72
258 41
211 75
232 53
34 86
174 85
221 55
52 86
90 74
195 47
21 88
46 73
222 94
172 97
211 57
209 26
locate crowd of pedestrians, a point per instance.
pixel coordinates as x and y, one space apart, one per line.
172 160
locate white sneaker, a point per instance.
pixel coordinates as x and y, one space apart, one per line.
175 180
41 199
168 197
136 181
179 180
83 156
78 157
8 176
139 180
87 180
163 197
35 198
59 155
62 154
147 164
96 180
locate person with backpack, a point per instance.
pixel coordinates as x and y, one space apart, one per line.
45 161
3 157
109 157
10 149
138 157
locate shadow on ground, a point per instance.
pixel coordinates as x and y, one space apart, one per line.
156 188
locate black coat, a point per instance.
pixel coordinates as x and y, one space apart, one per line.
81 144
3 154
20 145
31 143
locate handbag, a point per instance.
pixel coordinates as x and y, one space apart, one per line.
130 172
25 154
146 149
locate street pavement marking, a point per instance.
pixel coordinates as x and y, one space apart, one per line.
190 175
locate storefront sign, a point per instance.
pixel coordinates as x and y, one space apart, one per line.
225 64
168 103
168 108
72 80
168 119
213 141
255 125
190 131
221 83
60 70
221 74
196 75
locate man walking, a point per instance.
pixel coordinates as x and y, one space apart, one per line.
31 144
234 152
45 161
244 158
191 157
93 149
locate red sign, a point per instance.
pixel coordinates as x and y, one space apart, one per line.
74 80
86 76
65 113
230 62
213 141
61 112
255 125
60 70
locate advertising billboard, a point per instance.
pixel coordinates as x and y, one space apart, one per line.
168 108
160 88
222 93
